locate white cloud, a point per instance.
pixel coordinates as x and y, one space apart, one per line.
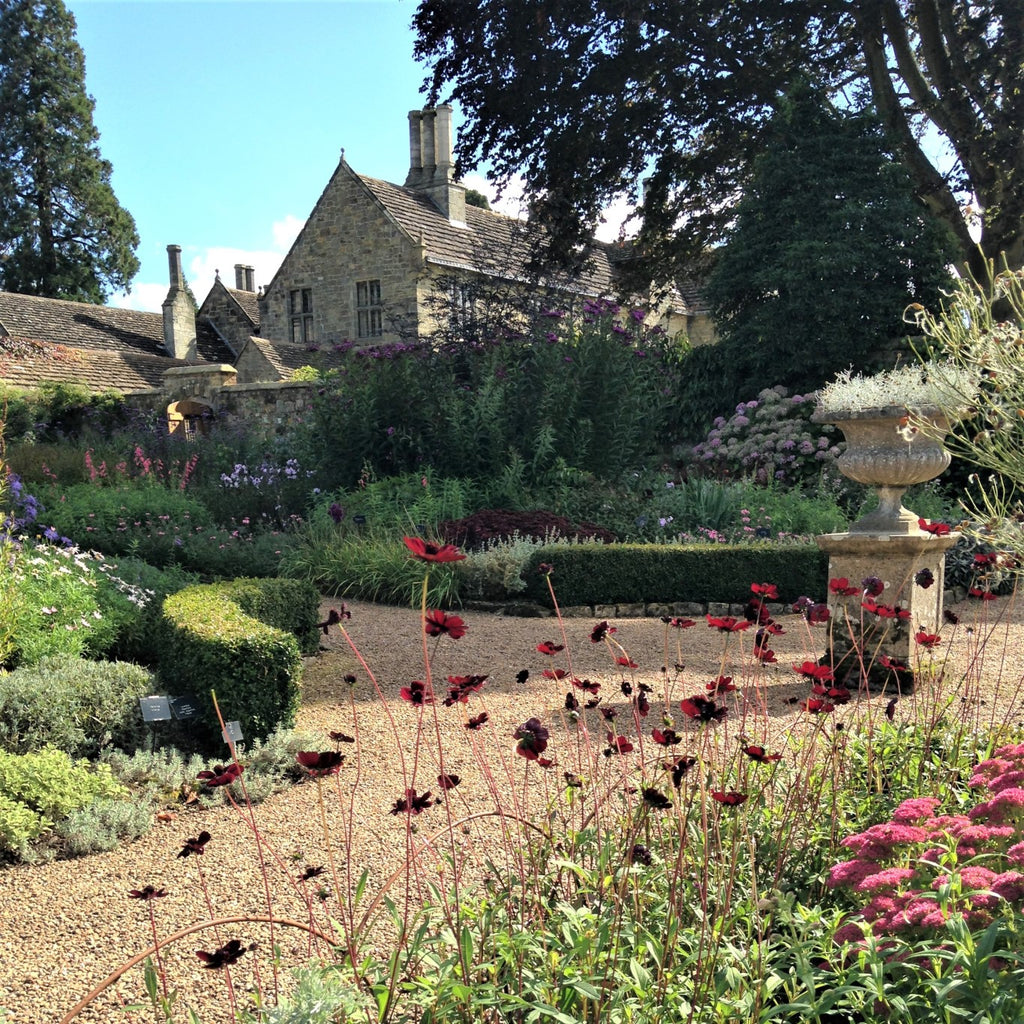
201 265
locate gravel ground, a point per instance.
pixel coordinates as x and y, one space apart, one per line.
64 926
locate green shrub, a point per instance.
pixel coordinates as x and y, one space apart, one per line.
49 785
208 643
75 706
101 826
641 573
290 605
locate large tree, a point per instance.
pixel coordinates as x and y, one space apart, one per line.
587 97
63 233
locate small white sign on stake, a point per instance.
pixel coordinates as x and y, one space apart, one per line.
232 732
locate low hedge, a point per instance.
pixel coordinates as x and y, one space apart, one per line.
228 638
591 574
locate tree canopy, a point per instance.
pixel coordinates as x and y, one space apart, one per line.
586 98
63 233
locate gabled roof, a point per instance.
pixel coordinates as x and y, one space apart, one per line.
490 243
286 356
28 363
248 303
81 325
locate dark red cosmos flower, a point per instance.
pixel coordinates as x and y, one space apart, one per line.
414 804
643 705
936 529
835 694
816 706
448 781
437 623
618 744
417 693
626 687
802 605
334 617
887 661
655 799
639 854
679 768
608 714
678 623
476 721
572 780
600 631
758 754
228 954
220 775
522 675
147 893
341 737
766 591
840 586
890 709
765 655
545 568
756 611
981 594
818 614
549 647
872 585
772 629
571 703
592 703
320 763
533 739
311 872
555 673
727 623
812 670
349 678
990 558
929 641
196 846
951 617
461 687
702 709
585 685
427 552
626 662
924 578
666 737
730 799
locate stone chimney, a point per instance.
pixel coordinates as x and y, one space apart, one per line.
244 278
431 170
179 313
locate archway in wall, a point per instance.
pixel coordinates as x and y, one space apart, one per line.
189 418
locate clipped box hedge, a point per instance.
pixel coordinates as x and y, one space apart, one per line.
592 574
239 639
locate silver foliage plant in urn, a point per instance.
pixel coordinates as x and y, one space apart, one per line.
894 423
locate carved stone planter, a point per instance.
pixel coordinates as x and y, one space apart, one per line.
885 451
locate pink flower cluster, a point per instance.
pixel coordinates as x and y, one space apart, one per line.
922 867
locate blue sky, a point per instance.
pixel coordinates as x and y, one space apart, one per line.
224 120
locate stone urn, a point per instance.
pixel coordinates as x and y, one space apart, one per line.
891 451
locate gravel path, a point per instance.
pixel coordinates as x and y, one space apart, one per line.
65 926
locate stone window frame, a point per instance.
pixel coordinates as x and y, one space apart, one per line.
369 309
300 308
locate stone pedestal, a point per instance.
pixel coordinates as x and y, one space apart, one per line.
877 648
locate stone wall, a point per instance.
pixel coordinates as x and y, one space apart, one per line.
348 238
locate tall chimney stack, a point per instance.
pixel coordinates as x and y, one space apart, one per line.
179 313
431 168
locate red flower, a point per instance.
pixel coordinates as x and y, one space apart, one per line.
341 737
924 578
447 782
147 893
840 586
812 670
666 737
600 631
414 804
984 595
929 641
427 552
677 623
766 591
937 529
626 662
533 739
334 617
723 684
873 586
816 706
461 687
196 846
555 673
818 613
836 694
764 655
223 957
417 693
585 685
326 762
550 648
437 623
221 775
756 753
730 799
702 709
476 721
890 709
618 744
656 799
886 661
679 768
727 624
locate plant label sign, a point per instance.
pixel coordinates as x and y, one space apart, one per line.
155 709
232 732
184 707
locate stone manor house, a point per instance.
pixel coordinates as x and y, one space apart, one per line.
367 268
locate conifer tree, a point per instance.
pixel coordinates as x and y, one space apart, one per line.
63 233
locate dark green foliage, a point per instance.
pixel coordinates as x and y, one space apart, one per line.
207 643
62 232
52 412
587 98
77 706
828 248
652 573
598 397
492 524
